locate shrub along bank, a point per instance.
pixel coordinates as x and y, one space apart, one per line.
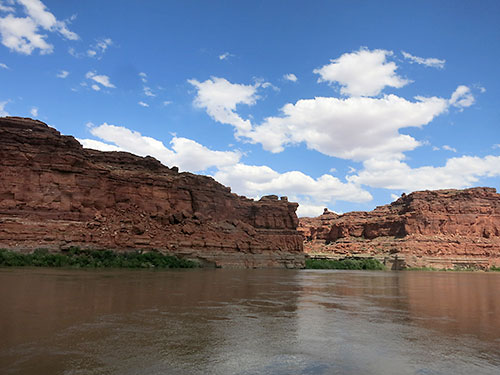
77 258
344 264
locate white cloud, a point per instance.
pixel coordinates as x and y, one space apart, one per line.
458 173
73 52
462 97
184 153
220 98
430 61
34 112
290 77
6 8
449 148
148 91
225 56
37 11
167 102
98 145
266 85
143 104
352 128
98 49
20 35
23 34
96 87
394 197
3 112
3 66
255 181
362 73
63 74
101 79
309 210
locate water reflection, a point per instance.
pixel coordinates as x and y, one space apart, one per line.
248 322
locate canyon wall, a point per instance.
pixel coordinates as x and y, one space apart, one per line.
440 229
55 194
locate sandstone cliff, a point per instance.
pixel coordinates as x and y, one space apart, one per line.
55 194
442 229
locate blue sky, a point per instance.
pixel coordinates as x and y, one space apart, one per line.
338 104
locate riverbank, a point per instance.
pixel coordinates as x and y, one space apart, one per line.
77 258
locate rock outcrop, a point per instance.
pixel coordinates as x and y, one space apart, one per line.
55 194
441 229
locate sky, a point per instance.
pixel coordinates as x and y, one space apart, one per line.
342 104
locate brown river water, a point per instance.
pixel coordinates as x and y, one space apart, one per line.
248 322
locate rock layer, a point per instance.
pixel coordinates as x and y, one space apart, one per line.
441 229
55 194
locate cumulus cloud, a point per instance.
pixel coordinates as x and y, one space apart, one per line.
430 61
353 128
143 76
184 153
97 50
96 87
22 34
3 66
310 210
458 173
290 77
3 112
462 97
101 79
255 181
34 112
143 104
220 97
63 74
98 145
362 73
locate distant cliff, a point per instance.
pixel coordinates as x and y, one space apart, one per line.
442 229
55 194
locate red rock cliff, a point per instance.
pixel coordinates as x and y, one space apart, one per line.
55 194
443 228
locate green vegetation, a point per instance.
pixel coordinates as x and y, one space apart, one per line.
454 269
74 257
423 269
344 264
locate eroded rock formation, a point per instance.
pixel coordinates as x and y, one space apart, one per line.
55 194
441 229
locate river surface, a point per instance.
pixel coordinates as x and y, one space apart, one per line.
248 322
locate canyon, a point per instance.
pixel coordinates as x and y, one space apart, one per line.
55 194
443 229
